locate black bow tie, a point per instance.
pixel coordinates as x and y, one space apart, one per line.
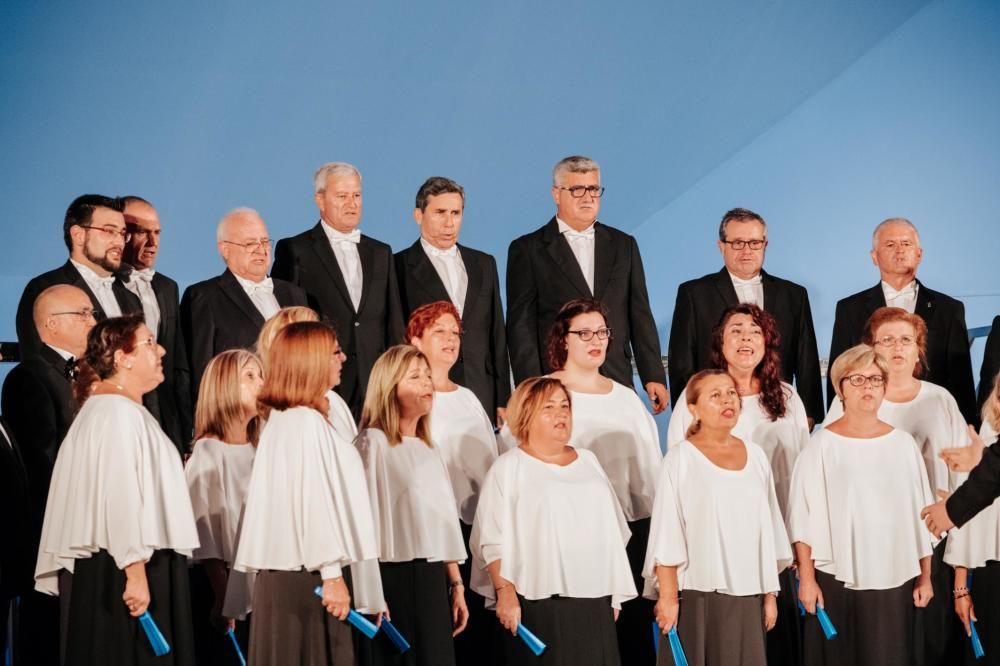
71 370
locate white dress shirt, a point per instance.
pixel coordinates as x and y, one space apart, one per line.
102 288
262 295
749 291
451 269
905 298
582 244
345 248
62 352
140 283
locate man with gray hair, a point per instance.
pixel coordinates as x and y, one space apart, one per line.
350 278
228 311
896 251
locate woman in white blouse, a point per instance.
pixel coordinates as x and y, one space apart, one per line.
218 473
419 538
307 515
854 519
718 539
463 434
118 516
340 414
548 543
974 551
930 414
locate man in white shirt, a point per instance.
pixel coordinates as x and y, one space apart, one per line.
349 277
896 252
160 305
437 268
95 235
700 304
228 311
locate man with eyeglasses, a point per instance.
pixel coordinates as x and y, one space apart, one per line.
228 311
160 306
37 402
350 278
575 256
742 244
95 235
437 268
897 253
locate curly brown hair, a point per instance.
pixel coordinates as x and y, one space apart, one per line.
98 362
768 372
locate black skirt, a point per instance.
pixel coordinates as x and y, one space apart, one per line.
985 590
479 644
100 631
718 630
634 626
784 642
417 595
939 633
874 627
291 626
211 645
577 632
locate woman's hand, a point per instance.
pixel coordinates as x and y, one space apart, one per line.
336 598
810 595
770 611
923 592
508 608
459 611
136 595
966 613
617 613
666 612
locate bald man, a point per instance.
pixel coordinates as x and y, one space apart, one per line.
38 406
161 308
228 311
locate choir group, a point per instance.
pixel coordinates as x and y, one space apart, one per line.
286 447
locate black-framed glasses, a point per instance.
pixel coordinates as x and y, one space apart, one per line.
876 381
577 191
755 244
587 335
265 244
85 313
891 340
125 235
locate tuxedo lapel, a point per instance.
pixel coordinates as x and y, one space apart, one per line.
161 303
321 246
424 273
74 278
724 284
925 304
603 259
53 359
769 286
232 289
875 299
560 252
366 256
128 302
474 274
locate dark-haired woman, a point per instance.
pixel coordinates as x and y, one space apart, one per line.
118 516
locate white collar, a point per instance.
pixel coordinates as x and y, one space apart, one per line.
62 352
755 280
566 229
250 286
432 251
88 274
891 293
353 236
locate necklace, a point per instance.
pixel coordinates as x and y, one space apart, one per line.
117 386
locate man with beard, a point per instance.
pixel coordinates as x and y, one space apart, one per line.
95 235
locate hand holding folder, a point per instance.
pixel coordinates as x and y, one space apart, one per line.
359 621
155 636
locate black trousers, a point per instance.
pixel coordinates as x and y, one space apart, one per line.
634 626
985 590
939 633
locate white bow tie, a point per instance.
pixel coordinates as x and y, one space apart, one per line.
755 280
891 294
588 233
353 237
105 282
146 274
450 253
265 286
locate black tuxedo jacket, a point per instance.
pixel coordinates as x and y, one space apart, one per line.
979 490
37 401
543 274
174 394
700 304
217 315
948 358
482 366
308 261
27 335
991 363
17 564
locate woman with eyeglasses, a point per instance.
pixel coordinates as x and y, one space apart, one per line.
862 551
118 526
930 414
610 421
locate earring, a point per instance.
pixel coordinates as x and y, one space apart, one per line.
128 366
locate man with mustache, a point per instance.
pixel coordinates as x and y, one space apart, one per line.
95 235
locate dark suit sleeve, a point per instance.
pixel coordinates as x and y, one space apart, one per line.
991 363
498 340
960 382
681 347
839 343
645 339
522 313
182 385
286 266
808 382
27 335
978 491
32 415
198 329
395 327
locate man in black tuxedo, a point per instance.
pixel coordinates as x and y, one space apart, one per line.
95 235
17 566
897 253
350 278
160 305
742 243
991 364
437 268
574 256
38 404
228 311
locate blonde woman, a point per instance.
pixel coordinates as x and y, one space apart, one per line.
420 541
218 473
340 414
